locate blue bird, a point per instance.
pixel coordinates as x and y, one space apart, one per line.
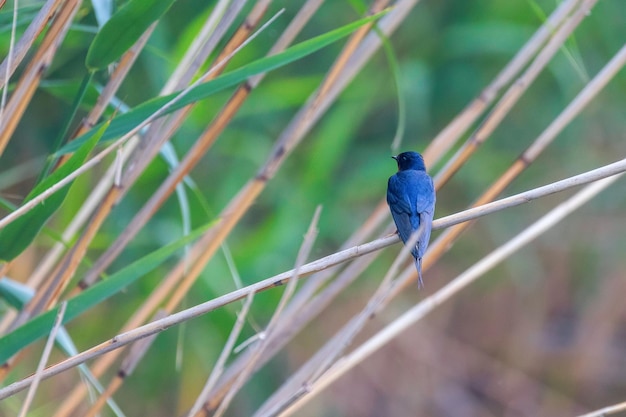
411 199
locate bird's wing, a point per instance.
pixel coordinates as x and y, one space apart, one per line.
422 192
402 211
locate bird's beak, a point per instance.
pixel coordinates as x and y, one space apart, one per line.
395 157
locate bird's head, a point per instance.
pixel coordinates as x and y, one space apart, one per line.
410 160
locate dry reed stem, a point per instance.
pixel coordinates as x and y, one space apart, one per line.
218 369
302 310
96 197
141 160
169 283
47 296
452 132
43 360
158 134
299 382
164 191
7 72
76 254
434 151
513 94
194 55
573 109
29 81
12 61
176 318
466 118
605 411
264 339
430 303
137 351
85 211
113 84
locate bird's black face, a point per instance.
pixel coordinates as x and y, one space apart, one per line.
410 160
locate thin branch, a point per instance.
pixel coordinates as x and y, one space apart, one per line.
303 254
44 359
226 351
513 94
478 270
573 109
7 73
612 409
184 315
298 384
167 286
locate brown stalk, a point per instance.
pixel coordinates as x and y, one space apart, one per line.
258 349
597 180
459 125
149 150
116 79
244 199
47 296
448 136
29 81
218 368
128 366
231 215
28 38
513 94
305 313
573 109
193 156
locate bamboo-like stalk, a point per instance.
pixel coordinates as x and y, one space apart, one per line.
573 109
261 345
157 326
194 155
468 277
43 360
159 197
605 411
514 93
221 361
444 141
31 77
27 40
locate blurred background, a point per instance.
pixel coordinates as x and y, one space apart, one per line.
542 334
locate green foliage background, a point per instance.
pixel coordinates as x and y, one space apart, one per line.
530 313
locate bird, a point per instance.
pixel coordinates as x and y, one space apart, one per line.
411 199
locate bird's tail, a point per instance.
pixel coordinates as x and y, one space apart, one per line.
418 265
